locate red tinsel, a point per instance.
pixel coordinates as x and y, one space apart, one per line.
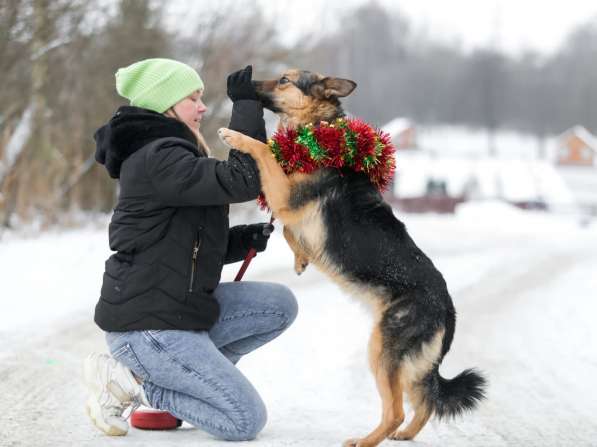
345 143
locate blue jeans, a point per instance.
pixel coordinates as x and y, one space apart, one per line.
192 374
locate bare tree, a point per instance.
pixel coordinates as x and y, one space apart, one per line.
233 37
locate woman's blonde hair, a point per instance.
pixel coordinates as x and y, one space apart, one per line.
201 142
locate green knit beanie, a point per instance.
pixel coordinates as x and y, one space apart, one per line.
157 84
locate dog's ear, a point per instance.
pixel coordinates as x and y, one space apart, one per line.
338 87
329 87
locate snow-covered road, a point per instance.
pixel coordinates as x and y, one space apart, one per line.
524 286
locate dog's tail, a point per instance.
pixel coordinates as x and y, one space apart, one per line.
449 398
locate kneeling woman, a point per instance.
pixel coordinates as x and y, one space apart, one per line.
174 331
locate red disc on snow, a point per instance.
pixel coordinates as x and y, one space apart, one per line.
154 420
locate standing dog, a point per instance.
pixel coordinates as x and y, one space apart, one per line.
339 222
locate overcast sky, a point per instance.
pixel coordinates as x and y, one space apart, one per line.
514 24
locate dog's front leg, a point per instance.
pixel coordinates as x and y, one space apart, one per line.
301 260
274 182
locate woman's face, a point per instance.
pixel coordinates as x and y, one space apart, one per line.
190 110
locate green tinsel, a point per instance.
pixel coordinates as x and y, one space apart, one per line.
378 146
369 161
350 139
275 148
307 139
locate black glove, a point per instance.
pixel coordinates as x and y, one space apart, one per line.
256 235
239 85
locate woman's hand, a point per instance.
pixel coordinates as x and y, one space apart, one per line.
257 235
239 85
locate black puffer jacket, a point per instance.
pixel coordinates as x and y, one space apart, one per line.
170 225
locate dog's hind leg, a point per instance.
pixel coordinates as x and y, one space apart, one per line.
398 399
388 385
422 415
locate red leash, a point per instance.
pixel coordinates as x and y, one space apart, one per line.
162 420
252 253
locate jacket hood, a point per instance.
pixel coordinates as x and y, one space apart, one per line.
132 128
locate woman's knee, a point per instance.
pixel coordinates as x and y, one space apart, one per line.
250 423
285 301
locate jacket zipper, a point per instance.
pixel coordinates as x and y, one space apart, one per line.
196 246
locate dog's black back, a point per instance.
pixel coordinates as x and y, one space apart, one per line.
371 248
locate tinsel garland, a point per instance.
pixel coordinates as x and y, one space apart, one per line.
344 143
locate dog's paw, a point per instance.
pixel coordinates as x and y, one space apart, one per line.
400 436
225 136
354 442
300 265
231 138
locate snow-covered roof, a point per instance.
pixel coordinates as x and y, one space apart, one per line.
468 142
397 126
513 180
583 134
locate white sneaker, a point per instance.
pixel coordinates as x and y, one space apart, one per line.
113 389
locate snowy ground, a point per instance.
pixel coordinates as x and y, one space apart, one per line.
524 286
